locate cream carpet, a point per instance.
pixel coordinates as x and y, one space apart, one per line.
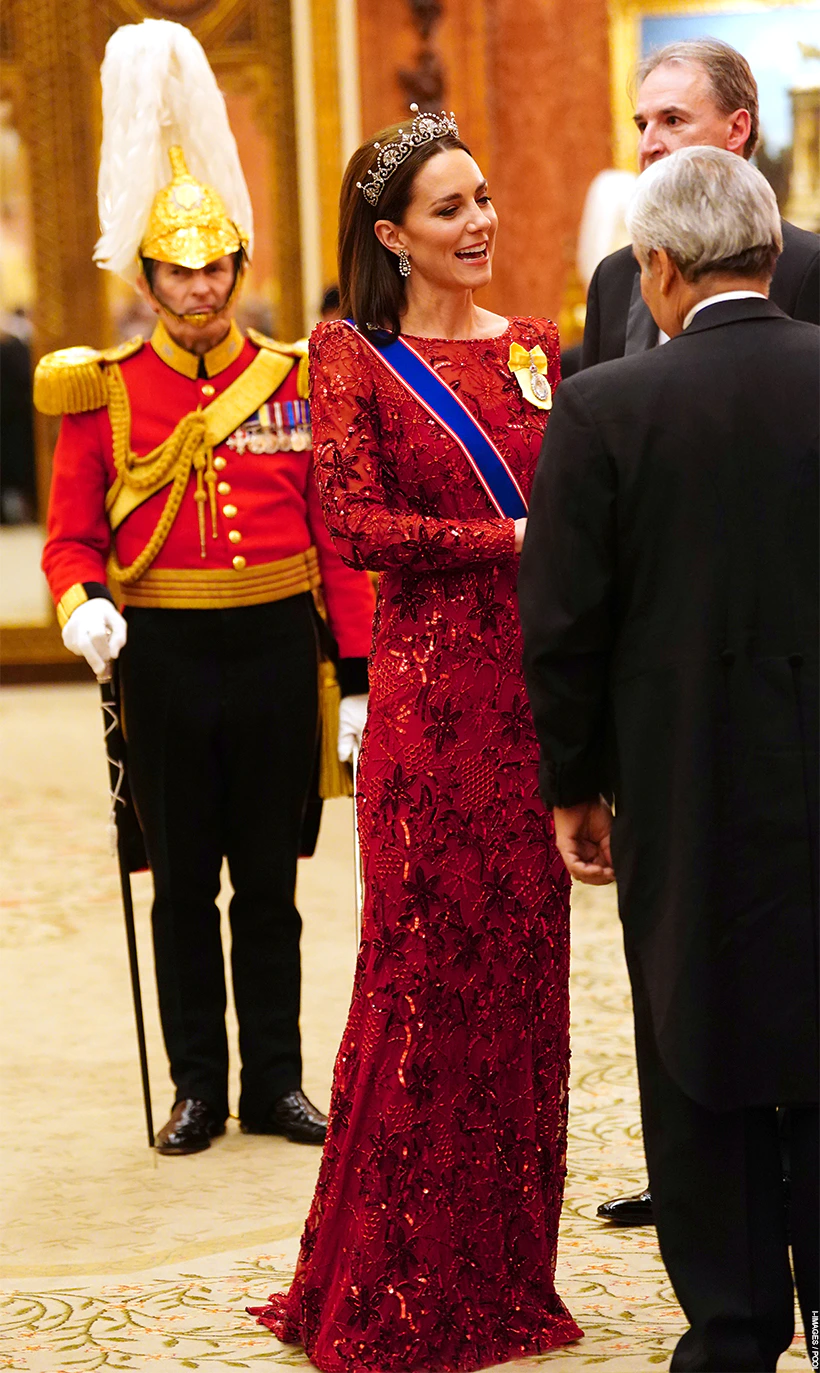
114 1258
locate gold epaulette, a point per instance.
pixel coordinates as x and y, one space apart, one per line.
299 350
74 379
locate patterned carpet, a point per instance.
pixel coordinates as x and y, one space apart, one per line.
113 1258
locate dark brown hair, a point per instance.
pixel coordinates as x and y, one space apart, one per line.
371 286
730 77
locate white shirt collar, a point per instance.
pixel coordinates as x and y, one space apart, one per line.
713 300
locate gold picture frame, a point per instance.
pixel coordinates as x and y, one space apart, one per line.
626 19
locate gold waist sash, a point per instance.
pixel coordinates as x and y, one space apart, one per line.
194 588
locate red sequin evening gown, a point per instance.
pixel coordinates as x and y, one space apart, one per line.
431 1241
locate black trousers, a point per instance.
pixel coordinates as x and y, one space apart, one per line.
220 712
720 1208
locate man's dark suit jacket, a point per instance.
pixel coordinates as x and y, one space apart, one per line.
618 323
668 595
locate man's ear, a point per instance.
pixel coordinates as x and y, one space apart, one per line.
667 270
739 128
388 234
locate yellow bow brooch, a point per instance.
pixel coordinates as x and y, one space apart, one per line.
530 371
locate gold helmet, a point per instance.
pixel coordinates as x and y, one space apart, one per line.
189 224
162 109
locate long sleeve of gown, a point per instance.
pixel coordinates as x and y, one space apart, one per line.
374 524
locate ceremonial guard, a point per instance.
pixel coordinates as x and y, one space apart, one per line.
183 479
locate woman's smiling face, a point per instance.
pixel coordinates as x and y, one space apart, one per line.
450 225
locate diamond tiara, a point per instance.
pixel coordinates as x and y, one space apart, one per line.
424 129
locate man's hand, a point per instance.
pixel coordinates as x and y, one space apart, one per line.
582 835
352 715
95 631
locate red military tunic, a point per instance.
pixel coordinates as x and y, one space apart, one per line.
267 504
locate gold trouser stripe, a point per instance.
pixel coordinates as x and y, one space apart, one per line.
221 588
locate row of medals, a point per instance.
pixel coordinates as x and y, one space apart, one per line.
279 427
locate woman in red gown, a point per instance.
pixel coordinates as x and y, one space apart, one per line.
431 1241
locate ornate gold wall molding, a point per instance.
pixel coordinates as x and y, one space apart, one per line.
349 78
328 131
59 124
49 62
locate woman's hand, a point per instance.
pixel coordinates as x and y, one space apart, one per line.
520 531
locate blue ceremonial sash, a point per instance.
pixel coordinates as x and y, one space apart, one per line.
440 401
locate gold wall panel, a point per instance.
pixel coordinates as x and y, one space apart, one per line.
47 71
328 131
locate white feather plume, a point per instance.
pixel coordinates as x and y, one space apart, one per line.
158 90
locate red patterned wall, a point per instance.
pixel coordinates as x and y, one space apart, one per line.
530 87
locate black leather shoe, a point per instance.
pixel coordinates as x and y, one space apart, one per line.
190 1130
292 1116
635 1210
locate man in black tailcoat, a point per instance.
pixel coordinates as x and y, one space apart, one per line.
668 593
699 91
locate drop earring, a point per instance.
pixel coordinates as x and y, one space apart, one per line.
404 262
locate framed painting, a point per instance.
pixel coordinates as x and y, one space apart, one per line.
781 41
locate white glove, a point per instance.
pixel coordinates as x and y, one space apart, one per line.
95 631
352 715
